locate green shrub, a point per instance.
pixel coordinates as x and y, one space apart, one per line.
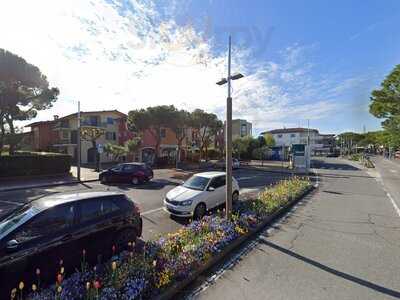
214 154
355 157
34 163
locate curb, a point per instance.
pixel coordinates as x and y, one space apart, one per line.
172 291
46 185
283 171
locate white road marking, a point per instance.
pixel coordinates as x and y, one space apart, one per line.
393 171
246 178
151 211
396 208
9 202
244 190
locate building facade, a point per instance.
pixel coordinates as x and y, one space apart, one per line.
319 143
241 128
61 134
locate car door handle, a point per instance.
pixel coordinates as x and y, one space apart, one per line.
66 237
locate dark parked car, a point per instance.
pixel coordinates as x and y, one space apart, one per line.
59 227
134 173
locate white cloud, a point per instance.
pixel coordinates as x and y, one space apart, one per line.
124 55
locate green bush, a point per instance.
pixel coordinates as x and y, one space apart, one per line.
214 154
34 163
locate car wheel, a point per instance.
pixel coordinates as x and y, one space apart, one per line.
199 211
235 197
103 179
124 237
135 181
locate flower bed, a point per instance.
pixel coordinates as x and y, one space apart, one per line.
168 259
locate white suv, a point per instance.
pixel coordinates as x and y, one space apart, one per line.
201 192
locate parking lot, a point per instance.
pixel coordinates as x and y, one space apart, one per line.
149 196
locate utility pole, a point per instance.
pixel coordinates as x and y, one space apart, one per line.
78 163
308 145
229 139
228 131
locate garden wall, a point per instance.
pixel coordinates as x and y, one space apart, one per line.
34 163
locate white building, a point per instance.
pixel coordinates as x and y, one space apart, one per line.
286 137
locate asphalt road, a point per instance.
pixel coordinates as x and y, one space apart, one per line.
148 196
341 242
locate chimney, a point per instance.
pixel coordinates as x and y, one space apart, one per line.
55 117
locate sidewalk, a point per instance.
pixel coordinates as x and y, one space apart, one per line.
87 175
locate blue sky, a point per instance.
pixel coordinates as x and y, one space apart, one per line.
311 59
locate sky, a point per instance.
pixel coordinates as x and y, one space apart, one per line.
302 59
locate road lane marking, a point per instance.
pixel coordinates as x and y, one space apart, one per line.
13 203
396 208
393 171
152 211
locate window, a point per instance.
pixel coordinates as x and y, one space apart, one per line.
93 120
64 124
243 130
65 134
293 135
111 136
218 182
279 136
110 120
196 183
129 168
47 223
95 208
163 133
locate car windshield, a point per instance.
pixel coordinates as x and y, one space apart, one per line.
197 183
15 218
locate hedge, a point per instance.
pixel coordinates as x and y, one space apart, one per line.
25 164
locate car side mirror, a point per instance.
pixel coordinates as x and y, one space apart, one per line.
181 181
12 245
211 189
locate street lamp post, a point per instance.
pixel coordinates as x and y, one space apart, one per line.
228 132
78 144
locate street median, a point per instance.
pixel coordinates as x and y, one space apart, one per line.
163 267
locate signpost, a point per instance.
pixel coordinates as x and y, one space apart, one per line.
100 150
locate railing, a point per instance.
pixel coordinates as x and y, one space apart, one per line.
102 125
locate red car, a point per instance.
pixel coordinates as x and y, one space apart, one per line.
134 173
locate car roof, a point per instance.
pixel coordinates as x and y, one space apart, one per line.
61 198
210 174
133 163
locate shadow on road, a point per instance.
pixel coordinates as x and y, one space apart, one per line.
357 280
151 185
319 164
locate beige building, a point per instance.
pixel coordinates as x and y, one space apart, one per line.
241 128
61 134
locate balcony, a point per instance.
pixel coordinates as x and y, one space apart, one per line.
94 124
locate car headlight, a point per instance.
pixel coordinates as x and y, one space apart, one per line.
187 202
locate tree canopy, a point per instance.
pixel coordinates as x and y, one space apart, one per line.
152 119
385 104
24 90
207 125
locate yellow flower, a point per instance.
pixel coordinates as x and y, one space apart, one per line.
88 285
34 287
154 263
62 270
59 289
114 266
21 285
